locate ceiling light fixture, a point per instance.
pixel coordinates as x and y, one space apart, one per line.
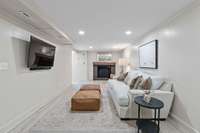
90 47
81 32
128 32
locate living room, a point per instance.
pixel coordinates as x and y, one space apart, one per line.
99 66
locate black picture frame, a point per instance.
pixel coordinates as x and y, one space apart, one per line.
155 60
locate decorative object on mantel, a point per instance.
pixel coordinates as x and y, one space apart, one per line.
147 96
148 55
123 62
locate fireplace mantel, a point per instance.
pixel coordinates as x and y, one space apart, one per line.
104 63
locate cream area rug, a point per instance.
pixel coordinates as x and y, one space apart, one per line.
59 119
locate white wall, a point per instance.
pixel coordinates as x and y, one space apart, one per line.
79 66
92 57
131 54
179 52
22 90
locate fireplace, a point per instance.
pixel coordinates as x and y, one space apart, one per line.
103 70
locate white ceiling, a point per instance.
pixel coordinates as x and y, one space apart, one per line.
13 11
105 21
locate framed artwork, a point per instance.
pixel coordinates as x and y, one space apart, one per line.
148 55
104 57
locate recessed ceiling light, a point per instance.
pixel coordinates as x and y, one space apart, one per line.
81 32
128 32
90 47
116 47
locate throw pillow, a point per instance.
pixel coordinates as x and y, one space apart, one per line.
126 80
157 82
137 83
122 76
147 83
132 84
131 75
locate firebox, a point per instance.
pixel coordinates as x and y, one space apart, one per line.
103 70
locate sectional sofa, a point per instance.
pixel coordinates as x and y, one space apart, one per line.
123 96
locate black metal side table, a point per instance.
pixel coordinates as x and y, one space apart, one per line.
149 126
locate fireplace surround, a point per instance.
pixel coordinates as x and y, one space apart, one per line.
103 70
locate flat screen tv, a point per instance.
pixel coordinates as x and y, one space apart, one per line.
41 54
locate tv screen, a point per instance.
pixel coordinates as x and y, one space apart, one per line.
41 54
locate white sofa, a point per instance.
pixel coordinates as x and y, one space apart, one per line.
123 96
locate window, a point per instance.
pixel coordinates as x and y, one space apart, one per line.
104 56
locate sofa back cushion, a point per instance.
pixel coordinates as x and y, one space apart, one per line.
157 82
131 75
167 86
142 83
122 76
133 81
147 84
138 82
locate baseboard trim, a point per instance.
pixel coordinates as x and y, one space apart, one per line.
182 125
25 115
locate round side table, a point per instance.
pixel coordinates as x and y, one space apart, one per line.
149 126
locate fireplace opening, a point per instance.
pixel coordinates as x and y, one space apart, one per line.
103 70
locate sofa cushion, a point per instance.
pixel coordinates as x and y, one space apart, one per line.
131 75
157 82
120 91
111 82
127 79
167 86
122 96
132 84
146 84
138 82
122 76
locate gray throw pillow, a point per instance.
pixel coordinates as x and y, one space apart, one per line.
122 76
137 83
132 84
146 84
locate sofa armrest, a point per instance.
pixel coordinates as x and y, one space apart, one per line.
155 93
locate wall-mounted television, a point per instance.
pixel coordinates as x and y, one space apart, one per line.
41 54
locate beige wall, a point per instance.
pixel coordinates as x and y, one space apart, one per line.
179 52
92 57
21 90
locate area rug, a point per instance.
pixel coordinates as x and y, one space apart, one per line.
61 120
